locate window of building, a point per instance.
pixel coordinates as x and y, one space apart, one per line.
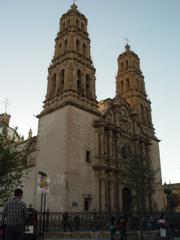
53 84
87 203
88 90
77 22
65 45
61 79
122 65
84 50
127 84
88 156
60 48
78 45
126 63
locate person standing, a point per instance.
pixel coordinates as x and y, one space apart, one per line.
14 216
66 222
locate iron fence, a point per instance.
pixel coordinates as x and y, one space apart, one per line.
96 221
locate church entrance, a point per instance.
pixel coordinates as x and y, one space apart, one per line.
126 199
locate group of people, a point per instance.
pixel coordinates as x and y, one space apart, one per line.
118 228
15 214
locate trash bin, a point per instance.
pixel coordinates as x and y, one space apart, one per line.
31 225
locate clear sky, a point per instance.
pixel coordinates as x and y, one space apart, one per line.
27 33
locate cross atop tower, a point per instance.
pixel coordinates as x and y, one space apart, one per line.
74 6
127 46
126 41
6 103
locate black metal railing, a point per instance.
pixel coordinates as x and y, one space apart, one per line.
96 221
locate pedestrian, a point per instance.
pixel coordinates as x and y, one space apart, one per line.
112 228
66 222
14 216
163 225
121 227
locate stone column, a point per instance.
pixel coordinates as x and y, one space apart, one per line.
101 137
118 147
110 143
116 196
93 87
103 197
57 83
112 195
49 87
97 142
97 191
120 197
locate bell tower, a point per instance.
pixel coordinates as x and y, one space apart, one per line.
130 85
65 130
71 74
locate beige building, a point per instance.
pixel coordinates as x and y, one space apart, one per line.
79 140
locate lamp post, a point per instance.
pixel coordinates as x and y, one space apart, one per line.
43 188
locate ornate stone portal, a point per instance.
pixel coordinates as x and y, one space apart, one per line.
80 141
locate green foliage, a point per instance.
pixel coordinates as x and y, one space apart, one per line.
138 175
13 157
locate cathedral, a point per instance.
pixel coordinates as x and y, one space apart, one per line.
79 139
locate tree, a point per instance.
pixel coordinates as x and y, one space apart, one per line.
138 175
13 155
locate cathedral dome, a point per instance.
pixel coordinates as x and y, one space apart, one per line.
4 123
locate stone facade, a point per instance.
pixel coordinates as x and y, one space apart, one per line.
79 140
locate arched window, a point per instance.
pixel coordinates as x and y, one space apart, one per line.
79 82
78 45
60 48
122 65
127 84
138 84
88 89
77 22
82 26
84 50
126 63
65 45
53 86
61 79
69 22
64 25
126 199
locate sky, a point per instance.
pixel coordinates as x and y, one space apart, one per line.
27 33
